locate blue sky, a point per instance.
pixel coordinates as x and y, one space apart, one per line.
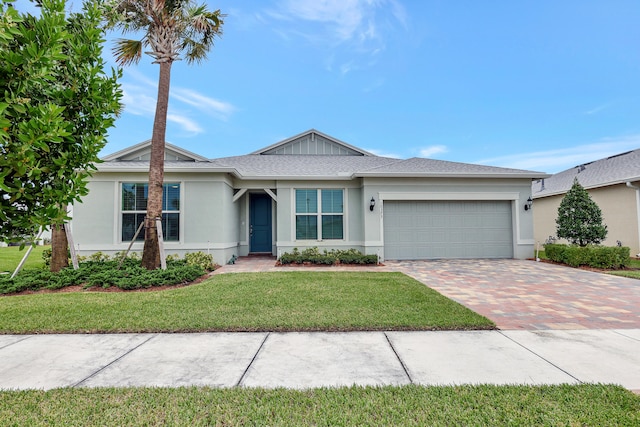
532 84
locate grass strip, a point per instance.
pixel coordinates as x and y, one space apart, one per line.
571 405
632 274
279 301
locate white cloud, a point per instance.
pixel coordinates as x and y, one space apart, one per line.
211 106
343 17
139 98
359 27
185 123
433 150
552 161
383 153
137 101
597 109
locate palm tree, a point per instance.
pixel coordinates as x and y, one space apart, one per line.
171 29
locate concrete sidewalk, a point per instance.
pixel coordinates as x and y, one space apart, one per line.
305 360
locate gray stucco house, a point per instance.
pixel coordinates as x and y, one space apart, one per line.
311 190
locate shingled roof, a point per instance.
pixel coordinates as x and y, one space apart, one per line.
309 155
618 169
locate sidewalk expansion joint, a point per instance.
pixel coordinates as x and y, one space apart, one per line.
619 332
404 368
16 342
79 383
543 358
255 356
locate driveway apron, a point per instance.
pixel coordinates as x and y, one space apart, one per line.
529 295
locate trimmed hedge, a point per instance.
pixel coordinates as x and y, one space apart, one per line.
607 257
314 256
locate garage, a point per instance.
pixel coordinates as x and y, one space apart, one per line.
448 229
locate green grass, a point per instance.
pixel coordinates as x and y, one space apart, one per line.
633 274
283 301
11 256
575 405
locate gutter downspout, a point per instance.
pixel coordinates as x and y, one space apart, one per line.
637 207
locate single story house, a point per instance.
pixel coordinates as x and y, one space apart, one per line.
311 190
613 183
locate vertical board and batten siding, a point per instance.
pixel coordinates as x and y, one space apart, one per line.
447 229
312 146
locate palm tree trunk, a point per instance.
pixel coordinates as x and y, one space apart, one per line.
151 250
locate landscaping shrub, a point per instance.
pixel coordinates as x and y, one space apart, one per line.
606 257
580 218
314 256
200 258
103 272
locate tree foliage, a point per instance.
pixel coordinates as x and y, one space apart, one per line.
56 105
579 218
172 29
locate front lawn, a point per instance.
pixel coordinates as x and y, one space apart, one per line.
282 301
11 256
567 405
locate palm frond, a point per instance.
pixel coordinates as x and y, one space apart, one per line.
127 52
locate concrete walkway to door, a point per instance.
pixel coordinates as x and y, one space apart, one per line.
515 294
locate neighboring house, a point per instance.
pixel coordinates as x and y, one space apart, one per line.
311 190
613 183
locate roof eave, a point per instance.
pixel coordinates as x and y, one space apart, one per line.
129 169
298 177
533 175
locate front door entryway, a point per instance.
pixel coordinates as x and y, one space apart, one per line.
259 223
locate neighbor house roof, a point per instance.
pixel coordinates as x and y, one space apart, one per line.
618 169
284 161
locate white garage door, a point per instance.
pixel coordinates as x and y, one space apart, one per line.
447 229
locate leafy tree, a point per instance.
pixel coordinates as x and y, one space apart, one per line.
579 218
171 28
56 104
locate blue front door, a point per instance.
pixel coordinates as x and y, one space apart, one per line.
259 223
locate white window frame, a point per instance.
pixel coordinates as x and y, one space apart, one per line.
319 214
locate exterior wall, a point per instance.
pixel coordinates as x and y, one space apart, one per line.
619 207
208 218
515 190
95 219
285 216
211 221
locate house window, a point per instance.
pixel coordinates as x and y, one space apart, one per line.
134 209
319 213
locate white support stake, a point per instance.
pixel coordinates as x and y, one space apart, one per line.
72 248
135 236
26 255
163 261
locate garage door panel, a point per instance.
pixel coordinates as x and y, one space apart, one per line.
448 229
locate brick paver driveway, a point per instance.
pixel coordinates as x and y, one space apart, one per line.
519 294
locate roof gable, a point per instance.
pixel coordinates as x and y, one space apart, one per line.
142 152
312 143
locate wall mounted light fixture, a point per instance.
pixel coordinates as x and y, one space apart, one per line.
372 204
529 204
